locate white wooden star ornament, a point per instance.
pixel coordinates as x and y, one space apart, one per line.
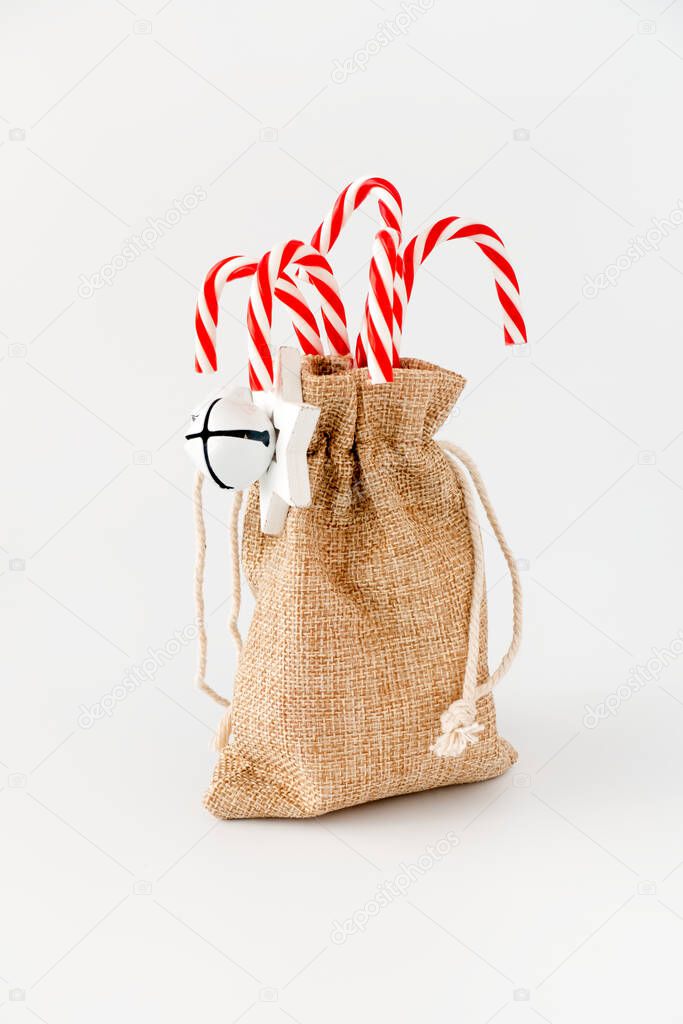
285 484
237 439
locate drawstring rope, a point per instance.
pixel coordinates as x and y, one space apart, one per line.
225 725
459 726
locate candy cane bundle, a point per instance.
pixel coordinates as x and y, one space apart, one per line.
364 673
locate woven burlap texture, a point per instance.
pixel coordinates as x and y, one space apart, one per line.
358 640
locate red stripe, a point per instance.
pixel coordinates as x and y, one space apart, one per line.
388 217
263 282
210 282
467 230
210 290
398 308
376 183
391 189
434 234
259 341
336 340
398 313
363 192
246 271
299 307
205 341
254 382
361 358
386 240
331 297
383 300
288 278
511 310
306 347
501 263
361 354
316 261
409 266
381 357
337 218
310 258
399 264
287 254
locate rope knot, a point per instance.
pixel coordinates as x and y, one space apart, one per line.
461 713
459 729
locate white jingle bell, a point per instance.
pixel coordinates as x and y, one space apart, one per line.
231 440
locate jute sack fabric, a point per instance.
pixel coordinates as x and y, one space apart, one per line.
359 636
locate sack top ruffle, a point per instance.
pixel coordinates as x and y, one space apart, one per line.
355 411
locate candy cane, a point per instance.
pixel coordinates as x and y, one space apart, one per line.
391 211
419 248
379 309
264 287
206 317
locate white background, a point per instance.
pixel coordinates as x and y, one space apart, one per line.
559 125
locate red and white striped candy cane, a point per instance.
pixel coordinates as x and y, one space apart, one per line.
206 318
380 350
266 282
391 211
418 249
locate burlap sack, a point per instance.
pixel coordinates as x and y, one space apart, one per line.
359 635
